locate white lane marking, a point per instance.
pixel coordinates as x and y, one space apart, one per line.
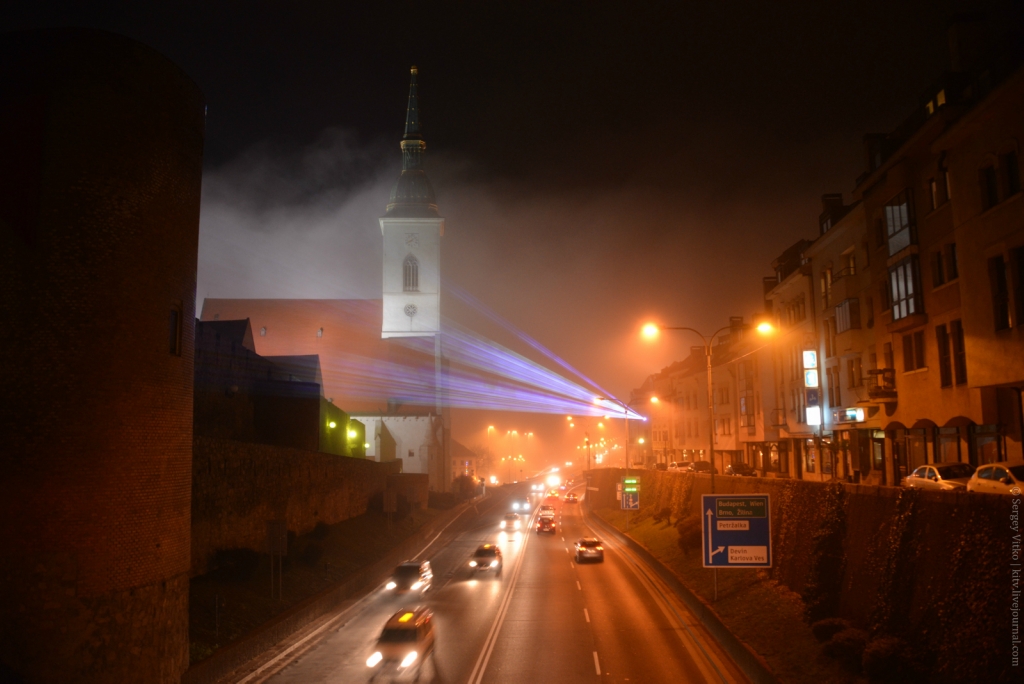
578 585
572 565
586 614
668 609
563 538
597 664
476 676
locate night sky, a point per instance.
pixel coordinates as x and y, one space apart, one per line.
598 163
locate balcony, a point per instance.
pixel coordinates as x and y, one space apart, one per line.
882 385
778 418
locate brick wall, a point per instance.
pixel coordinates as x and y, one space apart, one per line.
237 487
98 244
931 567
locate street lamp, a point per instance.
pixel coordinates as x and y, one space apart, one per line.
650 331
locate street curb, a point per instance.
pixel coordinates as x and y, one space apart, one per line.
249 648
749 662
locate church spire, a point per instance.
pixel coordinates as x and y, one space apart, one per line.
412 194
412 112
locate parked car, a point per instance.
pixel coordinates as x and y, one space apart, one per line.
940 476
740 468
998 478
702 467
677 466
661 466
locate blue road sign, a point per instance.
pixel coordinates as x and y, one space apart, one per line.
737 531
631 501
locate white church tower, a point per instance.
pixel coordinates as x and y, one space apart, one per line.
412 229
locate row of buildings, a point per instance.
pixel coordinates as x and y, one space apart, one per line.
900 328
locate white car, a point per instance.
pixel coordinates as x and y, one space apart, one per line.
940 476
998 478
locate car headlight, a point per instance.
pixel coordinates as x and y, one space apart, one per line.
390 585
515 507
517 524
494 563
409 659
374 659
502 524
472 564
416 586
526 507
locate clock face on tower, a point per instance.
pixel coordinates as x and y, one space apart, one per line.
412 240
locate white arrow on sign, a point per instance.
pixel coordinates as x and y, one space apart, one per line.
720 549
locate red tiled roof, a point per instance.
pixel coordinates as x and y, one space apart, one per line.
355 361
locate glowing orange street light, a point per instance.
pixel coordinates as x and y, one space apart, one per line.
650 331
765 328
655 400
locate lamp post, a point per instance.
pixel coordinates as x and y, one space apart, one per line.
625 424
650 331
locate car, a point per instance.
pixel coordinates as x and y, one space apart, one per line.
677 466
1004 477
409 577
571 498
545 525
589 548
537 488
661 466
405 642
740 468
487 558
702 467
546 511
940 476
511 521
520 505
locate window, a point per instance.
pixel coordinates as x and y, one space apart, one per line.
263 331
854 372
174 331
887 355
826 288
1017 259
848 315
938 272
933 193
903 283
1012 172
951 264
411 274
989 187
827 338
899 222
947 445
913 351
1000 292
956 332
945 185
879 233
945 359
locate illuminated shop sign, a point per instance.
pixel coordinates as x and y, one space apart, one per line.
849 415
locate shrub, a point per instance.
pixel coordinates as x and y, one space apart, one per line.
826 629
886 659
689 530
847 647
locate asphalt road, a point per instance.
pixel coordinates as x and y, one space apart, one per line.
544 619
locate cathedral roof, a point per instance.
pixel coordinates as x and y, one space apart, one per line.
412 195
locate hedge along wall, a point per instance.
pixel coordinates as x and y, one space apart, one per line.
237 487
930 567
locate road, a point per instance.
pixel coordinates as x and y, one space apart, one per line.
545 619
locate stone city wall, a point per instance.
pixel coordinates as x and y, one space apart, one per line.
238 486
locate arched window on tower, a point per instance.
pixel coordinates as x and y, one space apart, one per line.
411 274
